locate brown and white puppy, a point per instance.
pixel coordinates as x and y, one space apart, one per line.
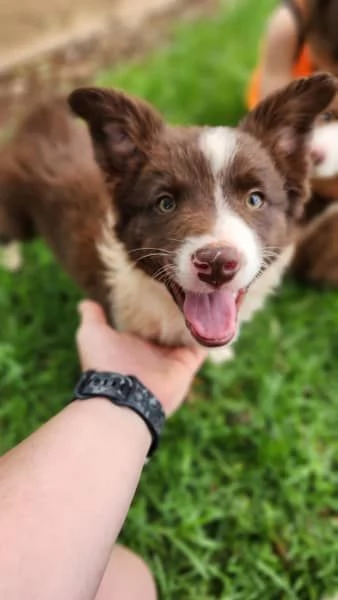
179 232
316 256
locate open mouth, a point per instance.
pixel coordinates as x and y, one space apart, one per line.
211 318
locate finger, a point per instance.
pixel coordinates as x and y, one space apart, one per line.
91 312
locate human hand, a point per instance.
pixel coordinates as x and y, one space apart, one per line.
167 372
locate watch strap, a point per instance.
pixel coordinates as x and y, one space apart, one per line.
126 391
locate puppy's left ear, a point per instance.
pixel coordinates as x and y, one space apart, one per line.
122 128
283 123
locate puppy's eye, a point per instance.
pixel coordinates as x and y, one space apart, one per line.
165 204
255 200
327 116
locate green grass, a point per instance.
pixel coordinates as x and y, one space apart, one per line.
241 501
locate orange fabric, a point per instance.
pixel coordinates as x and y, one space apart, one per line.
302 68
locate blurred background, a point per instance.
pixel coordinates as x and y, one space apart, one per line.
63 43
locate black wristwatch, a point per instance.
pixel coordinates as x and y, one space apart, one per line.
124 390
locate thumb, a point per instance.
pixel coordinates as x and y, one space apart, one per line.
91 312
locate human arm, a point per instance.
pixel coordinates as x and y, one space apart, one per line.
66 490
279 50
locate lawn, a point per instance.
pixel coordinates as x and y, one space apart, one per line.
241 501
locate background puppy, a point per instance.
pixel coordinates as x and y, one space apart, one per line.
316 256
179 232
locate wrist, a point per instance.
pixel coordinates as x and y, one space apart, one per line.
121 422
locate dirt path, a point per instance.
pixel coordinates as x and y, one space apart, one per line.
25 24
63 46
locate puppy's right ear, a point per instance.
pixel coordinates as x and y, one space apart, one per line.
122 128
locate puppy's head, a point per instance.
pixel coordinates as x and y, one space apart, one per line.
205 210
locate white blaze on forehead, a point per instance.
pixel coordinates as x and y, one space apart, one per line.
218 145
325 140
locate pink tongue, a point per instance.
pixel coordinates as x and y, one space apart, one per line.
211 316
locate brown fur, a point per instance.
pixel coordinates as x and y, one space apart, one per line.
50 186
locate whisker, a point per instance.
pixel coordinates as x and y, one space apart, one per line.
145 248
150 255
165 273
165 270
162 279
270 255
176 240
273 248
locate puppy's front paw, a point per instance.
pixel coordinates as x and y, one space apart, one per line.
11 257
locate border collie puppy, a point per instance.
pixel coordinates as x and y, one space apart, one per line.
179 232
